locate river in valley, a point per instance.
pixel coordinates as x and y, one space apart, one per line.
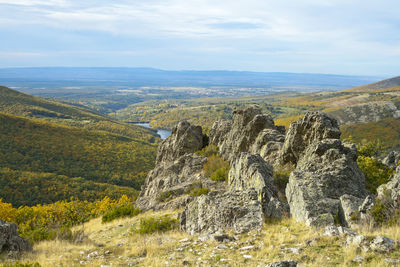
161 132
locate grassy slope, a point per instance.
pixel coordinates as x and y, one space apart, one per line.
385 84
116 244
39 147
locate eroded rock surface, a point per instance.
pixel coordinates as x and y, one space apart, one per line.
251 171
178 169
326 170
245 133
10 241
313 127
221 211
185 138
389 193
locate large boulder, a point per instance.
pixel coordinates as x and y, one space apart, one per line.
10 241
178 170
250 171
325 172
167 181
313 127
240 134
221 211
185 138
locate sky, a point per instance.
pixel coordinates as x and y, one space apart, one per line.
357 37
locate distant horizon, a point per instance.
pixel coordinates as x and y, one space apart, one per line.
197 70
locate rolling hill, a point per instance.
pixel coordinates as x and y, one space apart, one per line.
51 151
385 84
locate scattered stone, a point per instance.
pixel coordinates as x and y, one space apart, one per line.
292 250
93 254
392 261
248 248
247 256
358 259
221 246
332 230
382 244
289 263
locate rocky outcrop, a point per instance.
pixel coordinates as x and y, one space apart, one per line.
177 170
10 241
326 170
221 211
185 138
245 133
392 159
389 194
251 171
314 127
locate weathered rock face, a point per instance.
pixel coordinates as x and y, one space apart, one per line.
314 127
220 211
185 138
390 192
10 241
268 144
177 170
326 171
251 171
174 178
245 133
392 159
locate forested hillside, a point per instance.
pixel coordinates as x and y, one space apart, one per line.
39 147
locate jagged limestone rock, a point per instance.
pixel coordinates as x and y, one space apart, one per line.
242 134
221 211
314 127
185 138
10 241
177 170
326 171
251 171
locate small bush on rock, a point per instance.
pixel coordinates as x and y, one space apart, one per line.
376 173
199 191
216 168
127 210
208 151
154 224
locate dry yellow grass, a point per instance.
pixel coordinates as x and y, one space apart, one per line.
115 244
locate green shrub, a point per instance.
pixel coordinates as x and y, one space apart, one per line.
199 191
120 212
376 173
157 224
216 168
384 211
220 175
208 151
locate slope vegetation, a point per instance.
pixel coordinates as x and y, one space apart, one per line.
37 146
